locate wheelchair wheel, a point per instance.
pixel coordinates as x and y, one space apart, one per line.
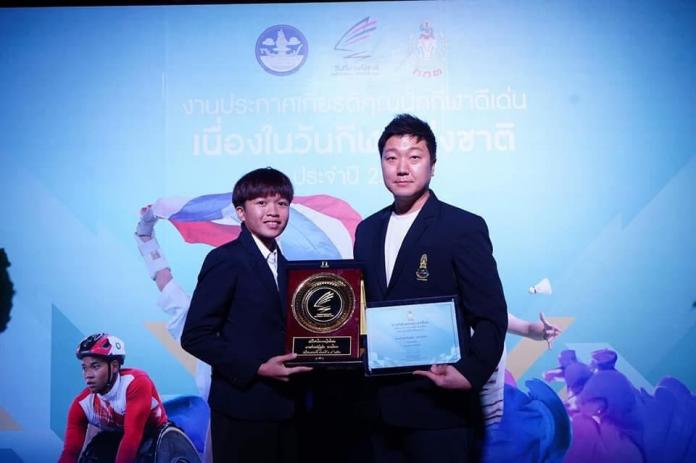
174 446
102 448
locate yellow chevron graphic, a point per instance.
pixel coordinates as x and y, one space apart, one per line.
159 329
7 423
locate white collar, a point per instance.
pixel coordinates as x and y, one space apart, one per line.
112 394
265 252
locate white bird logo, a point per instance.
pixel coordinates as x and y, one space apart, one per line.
324 299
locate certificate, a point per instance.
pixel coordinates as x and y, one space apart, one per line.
403 336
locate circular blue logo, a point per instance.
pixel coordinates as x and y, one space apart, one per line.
281 49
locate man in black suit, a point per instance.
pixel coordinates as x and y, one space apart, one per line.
421 247
236 324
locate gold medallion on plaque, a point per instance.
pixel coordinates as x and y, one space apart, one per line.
323 302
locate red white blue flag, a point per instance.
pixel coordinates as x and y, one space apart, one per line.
320 226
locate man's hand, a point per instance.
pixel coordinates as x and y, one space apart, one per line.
544 331
275 368
446 377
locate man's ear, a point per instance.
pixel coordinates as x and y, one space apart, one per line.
241 214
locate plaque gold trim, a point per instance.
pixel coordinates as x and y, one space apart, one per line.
323 302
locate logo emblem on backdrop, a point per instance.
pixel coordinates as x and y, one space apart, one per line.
355 42
429 52
281 50
356 47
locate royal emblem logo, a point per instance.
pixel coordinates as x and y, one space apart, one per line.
422 274
429 52
281 50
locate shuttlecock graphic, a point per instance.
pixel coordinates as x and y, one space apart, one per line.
543 287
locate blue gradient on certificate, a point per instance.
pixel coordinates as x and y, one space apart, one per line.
412 335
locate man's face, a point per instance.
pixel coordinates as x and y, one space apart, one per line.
406 167
265 217
95 371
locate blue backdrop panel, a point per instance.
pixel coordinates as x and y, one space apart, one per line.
568 125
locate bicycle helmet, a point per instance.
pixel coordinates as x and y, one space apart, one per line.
102 345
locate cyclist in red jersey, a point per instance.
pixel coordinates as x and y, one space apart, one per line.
122 402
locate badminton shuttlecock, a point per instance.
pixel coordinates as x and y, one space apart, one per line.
543 287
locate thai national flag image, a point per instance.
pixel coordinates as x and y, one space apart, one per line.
320 226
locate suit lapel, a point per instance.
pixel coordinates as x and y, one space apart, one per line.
379 251
282 283
420 225
258 263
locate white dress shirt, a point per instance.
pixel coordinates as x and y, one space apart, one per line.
270 256
396 232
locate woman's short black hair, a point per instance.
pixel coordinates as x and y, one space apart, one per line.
406 124
260 183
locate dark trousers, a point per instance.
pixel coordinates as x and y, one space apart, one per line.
334 424
242 441
392 444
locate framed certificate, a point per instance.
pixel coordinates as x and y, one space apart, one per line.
403 336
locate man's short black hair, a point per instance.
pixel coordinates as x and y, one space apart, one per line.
260 183
406 124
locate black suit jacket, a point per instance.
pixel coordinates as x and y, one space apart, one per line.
235 323
459 262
